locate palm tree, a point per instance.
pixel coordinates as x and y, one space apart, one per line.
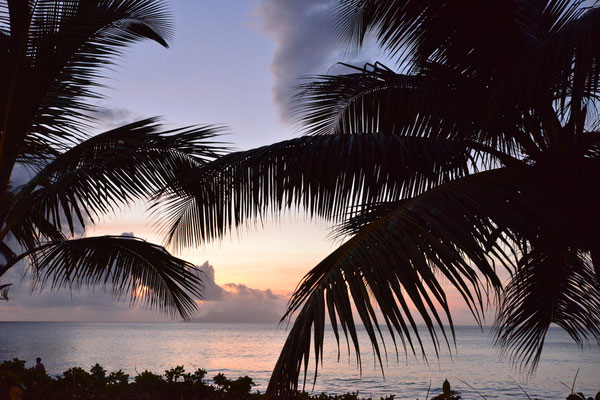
481 155
52 53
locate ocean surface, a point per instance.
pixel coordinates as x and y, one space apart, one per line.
252 349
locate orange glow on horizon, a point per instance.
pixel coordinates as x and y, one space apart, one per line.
273 256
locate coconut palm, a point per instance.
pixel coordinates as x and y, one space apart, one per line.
52 54
478 159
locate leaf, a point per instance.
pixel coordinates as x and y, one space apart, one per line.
469 33
55 53
436 101
395 261
126 266
559 59
553 284
322 174
113 168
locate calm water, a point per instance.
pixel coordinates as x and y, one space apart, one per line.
251 349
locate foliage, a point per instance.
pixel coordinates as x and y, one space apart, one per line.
174 373
478 158
447 393
581 396
77 383
53 53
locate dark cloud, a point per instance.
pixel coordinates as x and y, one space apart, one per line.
307 44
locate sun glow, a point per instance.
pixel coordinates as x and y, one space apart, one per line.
140 292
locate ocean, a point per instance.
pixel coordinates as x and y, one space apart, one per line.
252 349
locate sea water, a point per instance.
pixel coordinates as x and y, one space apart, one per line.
252 349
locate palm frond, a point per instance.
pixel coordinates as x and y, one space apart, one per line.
355 103
321 174
564 66
552 285
55 52
37 153
458 230
437 102
365 214
8 254
113 168
126 266
458 33
29 230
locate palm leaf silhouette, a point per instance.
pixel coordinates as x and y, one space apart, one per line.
53 54
510 91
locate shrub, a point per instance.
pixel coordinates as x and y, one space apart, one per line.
77 383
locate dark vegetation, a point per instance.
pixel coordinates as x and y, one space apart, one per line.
53 54
475 154
480 154
175 383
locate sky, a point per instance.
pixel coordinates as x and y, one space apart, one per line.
233 63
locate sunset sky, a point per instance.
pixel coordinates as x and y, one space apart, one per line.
232 63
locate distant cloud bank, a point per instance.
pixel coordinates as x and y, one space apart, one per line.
236 302
227 303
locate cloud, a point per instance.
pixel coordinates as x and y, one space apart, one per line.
307 43
237 302
112 117
227 303
212 291
83 304
63 305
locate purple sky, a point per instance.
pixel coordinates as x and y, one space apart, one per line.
233 63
